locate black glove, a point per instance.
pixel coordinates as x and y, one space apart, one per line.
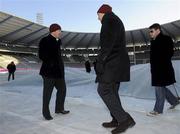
99 68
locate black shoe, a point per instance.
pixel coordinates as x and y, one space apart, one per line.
62 112
48 117
123 126
110 124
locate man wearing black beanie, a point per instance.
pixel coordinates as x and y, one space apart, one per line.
113 67
52 71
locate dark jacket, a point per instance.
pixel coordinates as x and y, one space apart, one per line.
11 68
161 51
50 54
113 63
88 66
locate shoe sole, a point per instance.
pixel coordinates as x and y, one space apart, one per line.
152 115
109 126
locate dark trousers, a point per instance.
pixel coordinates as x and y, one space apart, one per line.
9 76
48 85
109 94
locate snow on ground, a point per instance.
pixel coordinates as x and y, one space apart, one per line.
21 101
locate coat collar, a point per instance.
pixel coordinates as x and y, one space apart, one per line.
52 37
159 35
107 16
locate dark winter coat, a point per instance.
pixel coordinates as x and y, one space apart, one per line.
88 66
11 68
161 52
113 63
50 54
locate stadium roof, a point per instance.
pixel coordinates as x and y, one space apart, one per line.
18 31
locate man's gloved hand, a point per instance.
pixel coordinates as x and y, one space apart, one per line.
99 68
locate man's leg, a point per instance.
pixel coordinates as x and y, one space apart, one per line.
12 76
160 99
171 98
48 85
60 96
116 88
9 76
109 94
114 122
123 124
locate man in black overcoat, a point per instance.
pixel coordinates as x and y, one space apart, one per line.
11 69
162 72
52 71
113 67
88 66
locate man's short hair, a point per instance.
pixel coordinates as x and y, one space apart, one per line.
155 26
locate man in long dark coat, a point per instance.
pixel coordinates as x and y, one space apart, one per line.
88 66
52 71
113 67
162 72
11 69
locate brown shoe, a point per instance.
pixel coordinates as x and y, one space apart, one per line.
110 124
123 126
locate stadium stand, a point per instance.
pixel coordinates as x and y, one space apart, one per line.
20 38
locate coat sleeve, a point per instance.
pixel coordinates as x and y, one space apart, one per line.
43 51
107 41
170 49
167 49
